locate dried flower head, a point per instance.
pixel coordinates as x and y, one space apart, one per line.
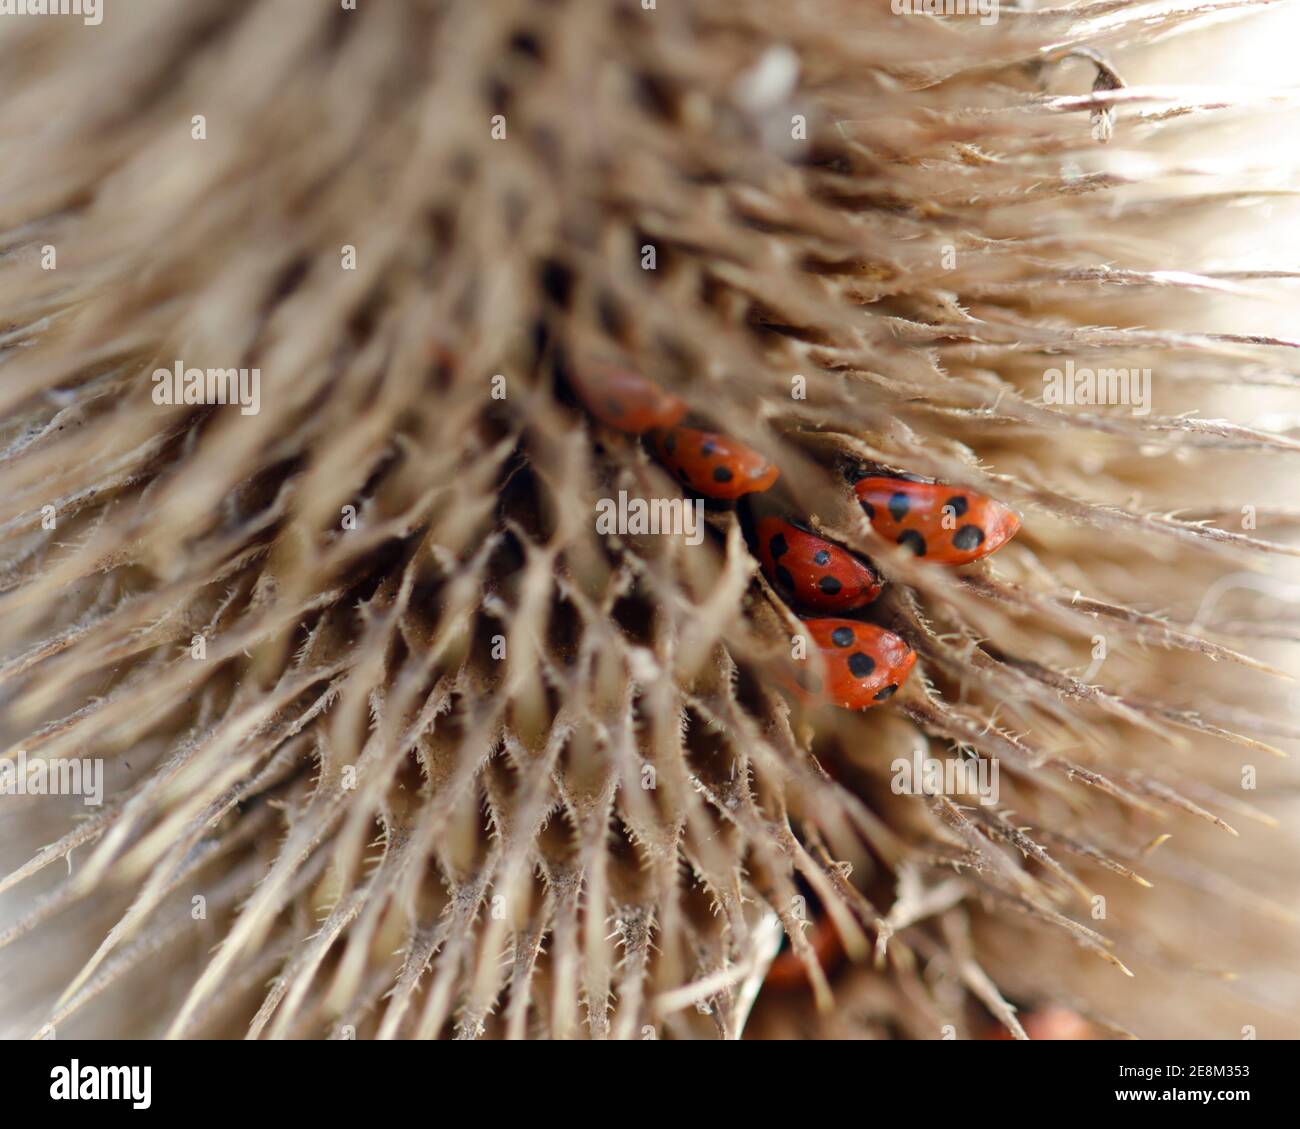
298 494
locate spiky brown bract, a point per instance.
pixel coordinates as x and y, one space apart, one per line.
461 766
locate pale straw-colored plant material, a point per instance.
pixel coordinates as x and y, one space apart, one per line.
390 776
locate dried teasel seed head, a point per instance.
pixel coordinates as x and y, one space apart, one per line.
303 323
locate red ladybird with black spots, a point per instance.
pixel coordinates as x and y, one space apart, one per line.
941 523
624 399
864 664
1048 1023
713 464
811 570
787 971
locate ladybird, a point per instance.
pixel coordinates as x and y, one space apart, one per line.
441 356
813 571
936 521
713 464
787 971
864 664
625 399
1048 1024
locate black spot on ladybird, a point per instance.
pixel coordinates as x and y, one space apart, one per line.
915 541
842 636
670 443
822 557
886 692
899 505
959 505
708 447
968 537
829 586
722 474
779 545
783 577
861 664
870 511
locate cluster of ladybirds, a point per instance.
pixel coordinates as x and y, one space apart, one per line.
865 664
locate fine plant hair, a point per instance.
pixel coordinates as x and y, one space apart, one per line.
396 745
